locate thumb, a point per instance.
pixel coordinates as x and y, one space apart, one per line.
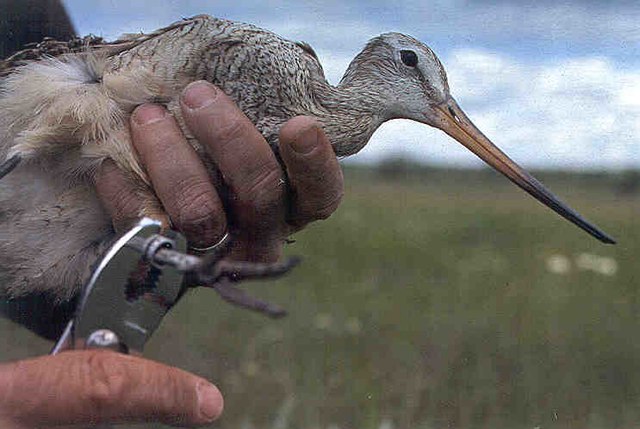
315 177
91 387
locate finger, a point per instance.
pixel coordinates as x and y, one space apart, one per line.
124 199
90 387
178 176
245 159
314 173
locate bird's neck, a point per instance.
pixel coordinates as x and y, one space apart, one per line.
352 111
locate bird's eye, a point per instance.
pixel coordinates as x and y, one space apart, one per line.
409 58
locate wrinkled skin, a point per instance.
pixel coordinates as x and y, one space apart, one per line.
84 388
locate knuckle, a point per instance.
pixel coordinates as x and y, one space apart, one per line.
330 206
230 130
196 211
316 202
106 380
196 199
126 206
262 191
319 209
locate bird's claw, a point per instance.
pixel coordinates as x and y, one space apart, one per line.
240 298
220 275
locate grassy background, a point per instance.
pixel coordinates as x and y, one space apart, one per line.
426 301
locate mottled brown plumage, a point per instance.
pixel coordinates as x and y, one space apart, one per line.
63 116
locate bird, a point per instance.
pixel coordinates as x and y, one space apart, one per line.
62 115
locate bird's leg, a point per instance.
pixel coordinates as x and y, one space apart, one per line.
238 297
221 274
236 271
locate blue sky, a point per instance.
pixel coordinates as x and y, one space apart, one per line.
554 83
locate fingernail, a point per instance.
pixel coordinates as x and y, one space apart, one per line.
148 114
209 401
199 94
306 140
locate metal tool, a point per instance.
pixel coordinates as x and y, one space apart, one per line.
141 277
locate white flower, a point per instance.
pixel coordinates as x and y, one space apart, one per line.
558 264
598 264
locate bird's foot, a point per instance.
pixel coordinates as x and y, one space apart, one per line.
220 275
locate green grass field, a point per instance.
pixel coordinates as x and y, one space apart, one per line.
431 299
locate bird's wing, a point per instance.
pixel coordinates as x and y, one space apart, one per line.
308 49
50 47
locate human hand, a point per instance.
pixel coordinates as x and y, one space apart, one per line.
86 388
260 211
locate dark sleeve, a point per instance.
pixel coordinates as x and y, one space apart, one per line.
28 21
22 22
39 313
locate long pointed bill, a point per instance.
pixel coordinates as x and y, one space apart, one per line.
454 122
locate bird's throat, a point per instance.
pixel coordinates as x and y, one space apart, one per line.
350 115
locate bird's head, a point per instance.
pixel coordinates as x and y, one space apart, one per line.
411 83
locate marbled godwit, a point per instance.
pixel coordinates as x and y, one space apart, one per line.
60 117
